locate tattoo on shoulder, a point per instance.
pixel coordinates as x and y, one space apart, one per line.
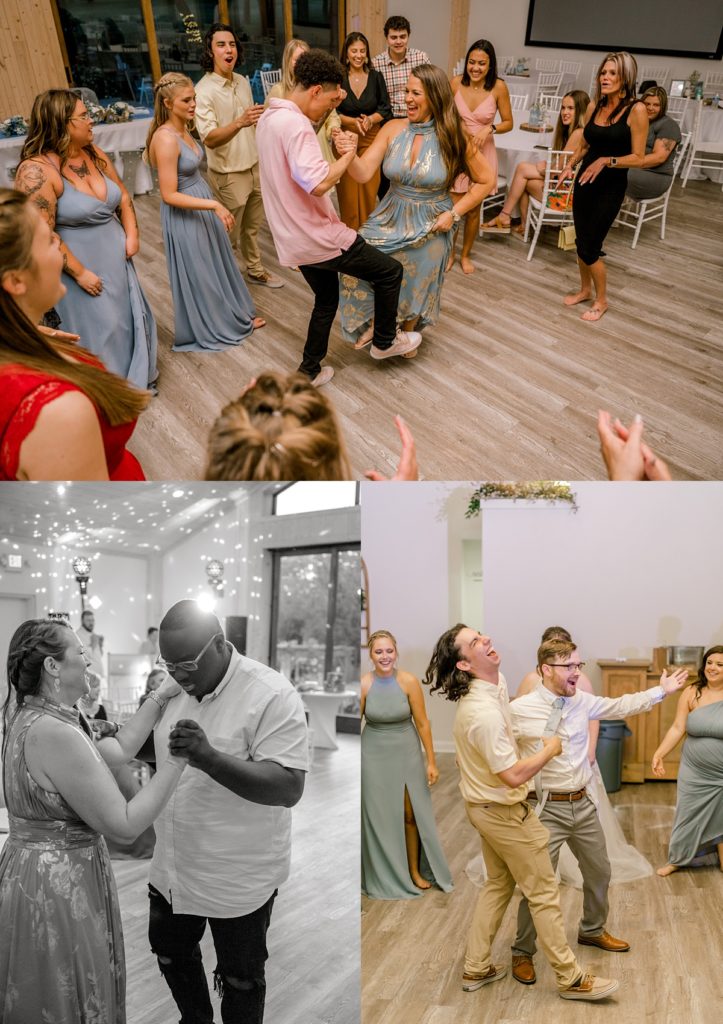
30 178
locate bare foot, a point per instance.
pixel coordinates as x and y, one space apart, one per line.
259 322
467 265
572 300
594 314
421 883
667 870
450 262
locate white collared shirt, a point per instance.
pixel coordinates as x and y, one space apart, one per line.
485 745
218 103
571 770
217 854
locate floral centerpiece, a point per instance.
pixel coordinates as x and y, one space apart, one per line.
97 113
118 112
14 126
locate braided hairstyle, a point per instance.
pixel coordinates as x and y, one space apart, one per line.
442 672
31 643
163 90
281 428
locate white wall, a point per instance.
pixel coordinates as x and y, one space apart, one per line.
634 568
411 544
430 27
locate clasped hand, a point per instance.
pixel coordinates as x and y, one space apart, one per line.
345 142
188 740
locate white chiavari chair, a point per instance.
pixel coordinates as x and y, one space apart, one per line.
634 214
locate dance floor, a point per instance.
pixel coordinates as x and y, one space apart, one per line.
412 950
313 970
508 383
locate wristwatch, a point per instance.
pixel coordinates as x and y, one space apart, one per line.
494 129
157 699
456 218
613 161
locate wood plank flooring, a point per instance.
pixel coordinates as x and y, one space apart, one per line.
507 385
312 974
412 950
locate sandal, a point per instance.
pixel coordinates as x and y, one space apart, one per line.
497 227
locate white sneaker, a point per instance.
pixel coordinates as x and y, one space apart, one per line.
323 376
405 341
591 988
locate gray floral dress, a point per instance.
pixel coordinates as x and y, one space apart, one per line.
61 943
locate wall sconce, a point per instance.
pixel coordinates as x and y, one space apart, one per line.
81 569
214 574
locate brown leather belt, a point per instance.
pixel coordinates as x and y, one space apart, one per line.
567 797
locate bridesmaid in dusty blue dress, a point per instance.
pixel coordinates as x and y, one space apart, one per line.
213 308
401 852
421 156
84 200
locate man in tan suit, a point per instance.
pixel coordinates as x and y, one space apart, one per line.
465 667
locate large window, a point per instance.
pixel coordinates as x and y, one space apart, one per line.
316 614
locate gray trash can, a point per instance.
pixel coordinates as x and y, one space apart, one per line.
609 752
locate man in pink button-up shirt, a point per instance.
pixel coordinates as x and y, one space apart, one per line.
295 182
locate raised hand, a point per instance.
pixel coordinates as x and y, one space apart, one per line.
407 468
675 681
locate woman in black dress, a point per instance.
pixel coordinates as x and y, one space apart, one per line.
613 140
364 109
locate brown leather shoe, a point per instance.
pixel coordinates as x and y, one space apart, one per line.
523 970
604 941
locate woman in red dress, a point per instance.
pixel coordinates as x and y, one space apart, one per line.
62 415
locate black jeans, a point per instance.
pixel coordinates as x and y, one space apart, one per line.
361 260
239 978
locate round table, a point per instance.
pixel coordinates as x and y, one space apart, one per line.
518 145
323 707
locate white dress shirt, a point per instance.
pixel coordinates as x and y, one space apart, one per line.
570 770
217 854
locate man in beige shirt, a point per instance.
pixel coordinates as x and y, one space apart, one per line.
226 116
465 667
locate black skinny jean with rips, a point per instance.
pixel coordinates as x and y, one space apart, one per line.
241 954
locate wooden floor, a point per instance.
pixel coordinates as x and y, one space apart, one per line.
412 950
312 973
507 385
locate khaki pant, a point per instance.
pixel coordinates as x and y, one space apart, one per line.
240 193
514 845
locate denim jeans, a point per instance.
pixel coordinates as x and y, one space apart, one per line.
361 260
241 954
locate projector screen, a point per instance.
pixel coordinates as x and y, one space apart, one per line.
639 26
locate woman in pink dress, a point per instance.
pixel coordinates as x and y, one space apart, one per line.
479 95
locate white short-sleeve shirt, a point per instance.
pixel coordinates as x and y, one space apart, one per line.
218 855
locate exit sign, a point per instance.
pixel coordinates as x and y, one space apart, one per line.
15 562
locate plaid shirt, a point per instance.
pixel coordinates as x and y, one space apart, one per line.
396 75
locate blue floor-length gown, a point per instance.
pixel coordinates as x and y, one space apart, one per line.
213 308
117 325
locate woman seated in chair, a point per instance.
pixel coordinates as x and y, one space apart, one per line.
529 178
656 175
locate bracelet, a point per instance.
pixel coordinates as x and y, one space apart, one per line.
160 701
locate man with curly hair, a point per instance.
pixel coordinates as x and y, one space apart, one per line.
225 117
307 231
493 779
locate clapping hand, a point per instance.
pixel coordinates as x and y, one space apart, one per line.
188 740
626 455
407 468
675 681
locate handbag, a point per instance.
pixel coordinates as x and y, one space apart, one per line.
566 237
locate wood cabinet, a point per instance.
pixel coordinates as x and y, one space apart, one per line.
648 728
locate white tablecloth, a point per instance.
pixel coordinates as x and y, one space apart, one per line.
116 139
517 145
323 708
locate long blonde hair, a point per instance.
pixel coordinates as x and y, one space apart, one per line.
447 122
25 345
377 635
282 428
163 90
287 72
48 127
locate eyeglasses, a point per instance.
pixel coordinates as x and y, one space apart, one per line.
573 666
185 666
82 117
